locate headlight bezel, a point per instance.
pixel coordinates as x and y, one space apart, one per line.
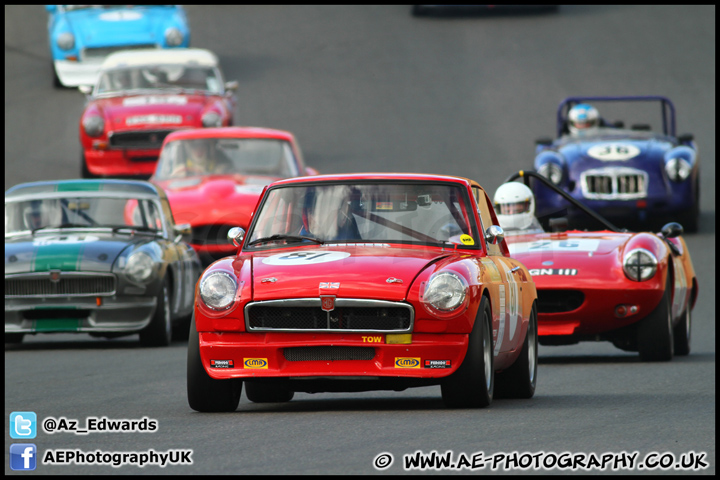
211 119
552 172
65 41
431 295
634 271
678 169
93 125
173 37
205 296
139 268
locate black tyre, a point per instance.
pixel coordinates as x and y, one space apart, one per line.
14 337
681 333
84 172
56 80
655 332
205 394
159 332
267 393
472 385
520 379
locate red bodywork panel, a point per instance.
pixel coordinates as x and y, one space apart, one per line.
592 263
157 112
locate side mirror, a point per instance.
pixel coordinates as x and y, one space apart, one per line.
232 86
686 138
51 8
311 171
85 89
235 236
672 230
545 142
182 230
494 234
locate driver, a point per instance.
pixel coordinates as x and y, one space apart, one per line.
200 159
583 117
42 214
515 209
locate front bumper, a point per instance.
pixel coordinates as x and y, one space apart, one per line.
74 74
79 314
119 162
291 355
597 313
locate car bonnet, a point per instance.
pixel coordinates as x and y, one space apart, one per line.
372 271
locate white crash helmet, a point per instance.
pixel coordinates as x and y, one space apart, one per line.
582 117
514 206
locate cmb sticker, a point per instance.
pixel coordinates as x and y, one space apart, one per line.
405 362
255 363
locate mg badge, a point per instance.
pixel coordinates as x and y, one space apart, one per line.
54 276
327 302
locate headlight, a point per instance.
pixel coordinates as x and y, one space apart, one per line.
552 172
678 169
218 290
173 37
93 125
139 267
639 264
445 291
211 119
65 41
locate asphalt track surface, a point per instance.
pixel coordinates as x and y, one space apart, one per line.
372 88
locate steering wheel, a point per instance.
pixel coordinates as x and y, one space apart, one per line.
186 171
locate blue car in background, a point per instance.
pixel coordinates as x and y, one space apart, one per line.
630 176
82 36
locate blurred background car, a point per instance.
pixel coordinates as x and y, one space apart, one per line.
143 95
82 36
214 177
628 175
103 257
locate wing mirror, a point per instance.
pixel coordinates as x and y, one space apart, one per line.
545 142
235 236
182 230
494 234
232 86
85 89
672 230
686 138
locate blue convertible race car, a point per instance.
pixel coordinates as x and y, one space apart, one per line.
629 175
82 36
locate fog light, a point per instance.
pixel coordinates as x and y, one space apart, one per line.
625 310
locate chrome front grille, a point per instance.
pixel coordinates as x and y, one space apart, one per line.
306 314
68 284
99 53
139 139
615 183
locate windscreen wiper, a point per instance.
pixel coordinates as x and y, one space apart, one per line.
281 236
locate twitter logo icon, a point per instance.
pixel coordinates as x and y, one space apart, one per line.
23 425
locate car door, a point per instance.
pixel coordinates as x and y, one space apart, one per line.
512 282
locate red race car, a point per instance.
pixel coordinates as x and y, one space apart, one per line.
143 95
214 178
635 290
365 282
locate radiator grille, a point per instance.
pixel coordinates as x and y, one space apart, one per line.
99 53
348 314
326 353
42 286
557 301
142 139
614 184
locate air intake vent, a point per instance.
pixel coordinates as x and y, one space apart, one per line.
324 353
